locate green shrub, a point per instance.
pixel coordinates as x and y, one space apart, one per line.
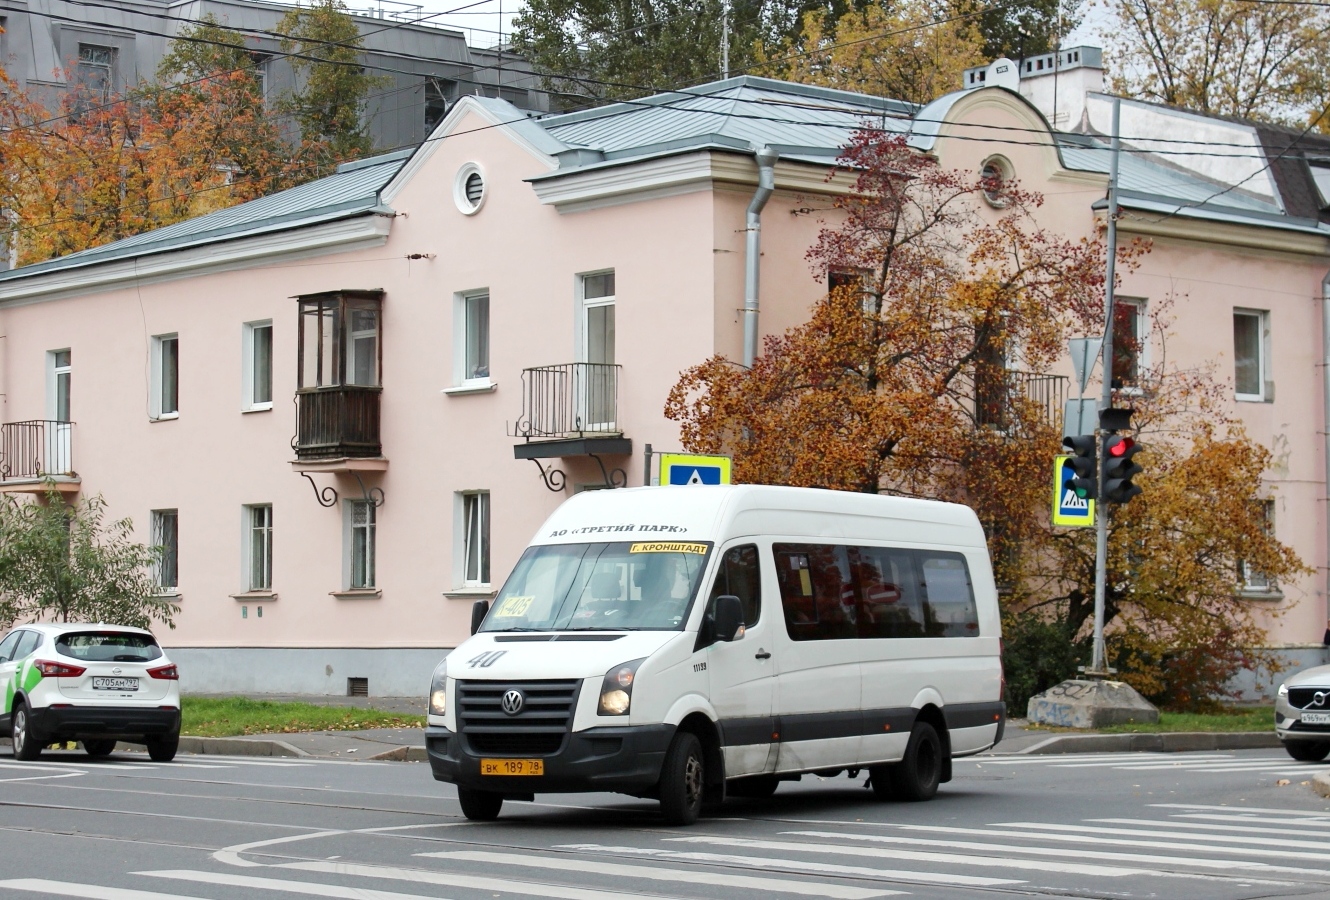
1038 653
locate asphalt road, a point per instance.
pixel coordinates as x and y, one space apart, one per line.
1211 826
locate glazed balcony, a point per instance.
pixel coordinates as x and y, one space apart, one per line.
37 452
338 422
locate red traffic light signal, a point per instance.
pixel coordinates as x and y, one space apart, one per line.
1119 469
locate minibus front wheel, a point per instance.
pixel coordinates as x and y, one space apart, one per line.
682 780
479 806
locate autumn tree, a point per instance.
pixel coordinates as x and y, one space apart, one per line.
66 562
1027 28
911 50
901 380
205 50
329 100
1261 60
620 50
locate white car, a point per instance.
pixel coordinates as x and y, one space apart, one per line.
1302 714
97 684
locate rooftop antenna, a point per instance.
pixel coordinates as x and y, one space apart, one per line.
725 39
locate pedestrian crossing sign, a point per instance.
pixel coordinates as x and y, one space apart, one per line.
688 468
1068 509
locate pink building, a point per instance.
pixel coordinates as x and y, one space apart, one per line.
331 403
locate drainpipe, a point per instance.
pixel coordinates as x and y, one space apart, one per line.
1325 424
766 183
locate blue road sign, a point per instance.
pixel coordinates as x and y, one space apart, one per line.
1069 509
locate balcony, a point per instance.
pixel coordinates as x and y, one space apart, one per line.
995 399
570 410
338 422
35 452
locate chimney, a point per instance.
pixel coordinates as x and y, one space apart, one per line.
1055 83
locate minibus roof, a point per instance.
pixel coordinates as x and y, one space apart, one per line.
720 512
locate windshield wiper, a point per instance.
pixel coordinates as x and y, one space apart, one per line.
601 628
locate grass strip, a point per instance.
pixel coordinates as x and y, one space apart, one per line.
231 716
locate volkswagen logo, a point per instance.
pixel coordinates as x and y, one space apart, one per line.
512 702
1318 699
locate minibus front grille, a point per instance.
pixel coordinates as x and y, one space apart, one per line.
538 729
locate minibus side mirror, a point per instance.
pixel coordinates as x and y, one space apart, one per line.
728 618
479 610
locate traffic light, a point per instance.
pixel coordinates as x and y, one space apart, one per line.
1119 469
1082 463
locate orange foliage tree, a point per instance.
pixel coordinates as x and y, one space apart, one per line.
99 168
901 382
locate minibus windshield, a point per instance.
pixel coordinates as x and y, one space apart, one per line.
621 586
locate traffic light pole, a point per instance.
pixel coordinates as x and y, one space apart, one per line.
1097 664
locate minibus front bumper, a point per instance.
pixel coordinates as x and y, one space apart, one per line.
622 759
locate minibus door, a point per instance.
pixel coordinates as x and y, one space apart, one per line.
740 673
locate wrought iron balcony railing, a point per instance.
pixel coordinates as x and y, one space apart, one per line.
569 400
36 449
995 398
338 422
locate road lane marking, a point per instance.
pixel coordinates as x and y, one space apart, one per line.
917 855
1090 758
231 855
477 882
226 879
1117 841
89 891
1252 841
801 866
657 874
1222 865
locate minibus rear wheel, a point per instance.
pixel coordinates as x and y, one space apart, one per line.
479 806
682 780
918 774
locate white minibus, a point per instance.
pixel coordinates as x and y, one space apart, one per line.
685 643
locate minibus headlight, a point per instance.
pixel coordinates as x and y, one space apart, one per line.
438 690
616 693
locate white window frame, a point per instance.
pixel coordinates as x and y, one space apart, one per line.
461 383
53 372
584 305
1142 336
247 381
349 529
158 518
157 380
465 531
250 523
1262 364
1251 581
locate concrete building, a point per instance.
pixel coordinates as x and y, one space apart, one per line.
346 408
110 46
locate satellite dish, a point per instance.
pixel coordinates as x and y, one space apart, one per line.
1003 73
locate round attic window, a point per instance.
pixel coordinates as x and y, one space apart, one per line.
994 175
469 189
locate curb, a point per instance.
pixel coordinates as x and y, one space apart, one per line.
1159 742
402 754
1321 784
239 747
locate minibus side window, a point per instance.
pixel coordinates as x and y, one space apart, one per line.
892 602
816 590
740 575
950 609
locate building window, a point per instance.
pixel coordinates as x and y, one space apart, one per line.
475 539
1251 344
469 189
597 398
436 102
1129 342
58 384
1249 578
93 72
994 175
257 362
165 376
259 72
360 544
166 536
258 547
471 327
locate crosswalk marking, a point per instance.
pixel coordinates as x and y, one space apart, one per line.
1225 865
1245 829
1254 820
918 856
1117 841
807 866
277 884
449 879
1189 836
88 891
1076 758
659 874
1233 810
